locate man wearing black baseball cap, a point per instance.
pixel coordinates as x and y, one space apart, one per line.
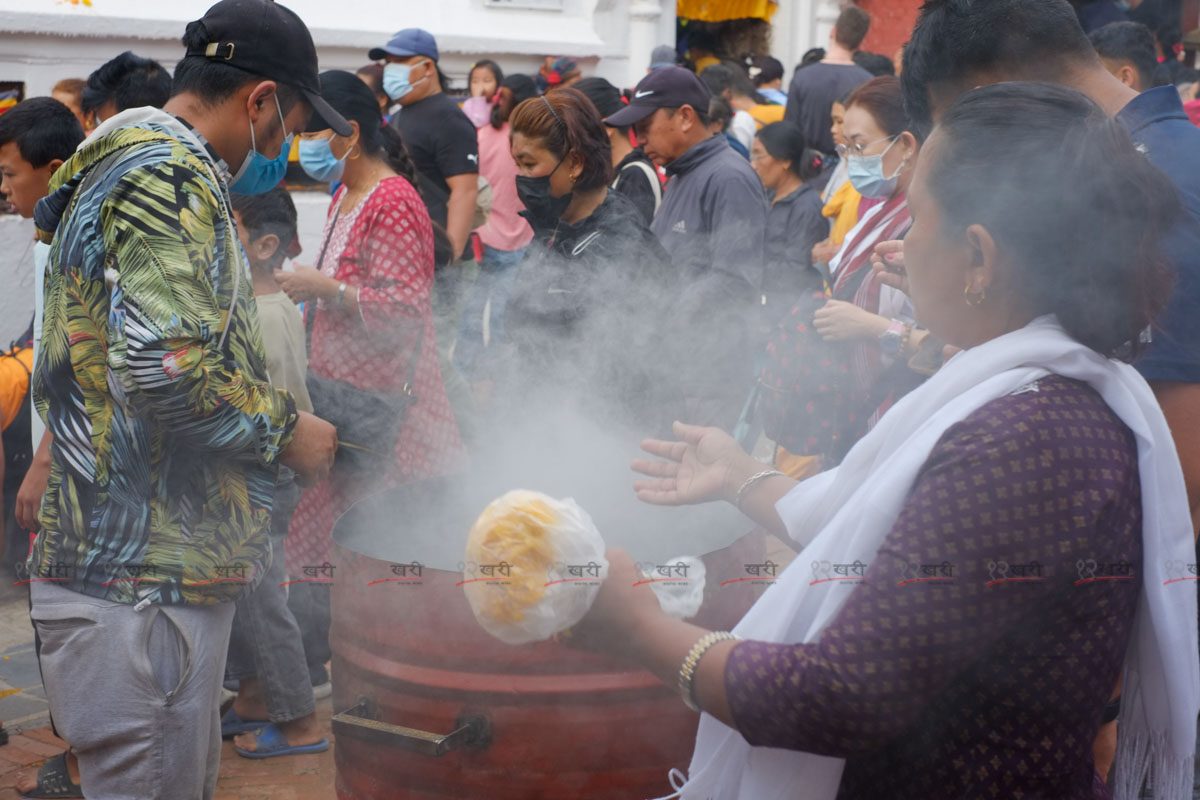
167 435
712 223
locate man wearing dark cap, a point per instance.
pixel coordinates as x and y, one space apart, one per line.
712 223
167 436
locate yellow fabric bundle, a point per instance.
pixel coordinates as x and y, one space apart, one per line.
533 566
514 534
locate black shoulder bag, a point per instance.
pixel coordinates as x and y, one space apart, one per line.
368 423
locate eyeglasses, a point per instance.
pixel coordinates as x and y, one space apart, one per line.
859 149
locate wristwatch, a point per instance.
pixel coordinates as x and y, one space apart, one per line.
889 340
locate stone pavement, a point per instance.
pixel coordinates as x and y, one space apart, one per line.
24 711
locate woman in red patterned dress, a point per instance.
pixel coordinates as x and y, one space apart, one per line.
370 294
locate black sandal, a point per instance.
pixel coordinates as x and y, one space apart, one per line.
54 781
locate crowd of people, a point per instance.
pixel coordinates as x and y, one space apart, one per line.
921 281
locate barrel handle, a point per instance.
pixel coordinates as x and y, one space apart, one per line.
359 722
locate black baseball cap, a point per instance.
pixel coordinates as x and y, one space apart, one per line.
669 87
266 39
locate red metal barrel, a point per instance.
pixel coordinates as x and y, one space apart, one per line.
431 706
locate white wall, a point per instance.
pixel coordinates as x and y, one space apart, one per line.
46 42
798 26
16 277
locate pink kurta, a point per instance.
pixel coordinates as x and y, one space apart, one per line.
505 229
384 248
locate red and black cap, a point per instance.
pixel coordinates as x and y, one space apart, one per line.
266 39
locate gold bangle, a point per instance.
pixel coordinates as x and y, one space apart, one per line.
905 338
687 672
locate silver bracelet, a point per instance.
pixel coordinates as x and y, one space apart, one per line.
750 482
687 672
341 294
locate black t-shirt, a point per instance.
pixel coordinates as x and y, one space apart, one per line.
441 141
811 97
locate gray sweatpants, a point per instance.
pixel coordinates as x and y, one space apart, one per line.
266 641
136 693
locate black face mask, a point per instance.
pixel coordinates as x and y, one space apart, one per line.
535 194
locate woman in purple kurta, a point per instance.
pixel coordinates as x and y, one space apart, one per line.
980 569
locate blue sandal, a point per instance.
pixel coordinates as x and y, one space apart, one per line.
232 724
271 742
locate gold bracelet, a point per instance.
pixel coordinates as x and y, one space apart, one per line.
905 338
687 672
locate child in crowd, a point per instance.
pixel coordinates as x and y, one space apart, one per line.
274 711
36 136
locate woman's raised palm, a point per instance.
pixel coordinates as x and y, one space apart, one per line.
694 469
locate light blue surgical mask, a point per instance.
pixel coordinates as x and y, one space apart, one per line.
318 160
259 174
395 80
866 174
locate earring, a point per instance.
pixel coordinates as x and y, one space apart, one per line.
353 149
573 179
974 299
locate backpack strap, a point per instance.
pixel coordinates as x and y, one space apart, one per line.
651 175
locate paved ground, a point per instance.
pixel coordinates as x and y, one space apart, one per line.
24 712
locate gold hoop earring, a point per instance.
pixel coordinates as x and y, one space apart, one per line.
974 299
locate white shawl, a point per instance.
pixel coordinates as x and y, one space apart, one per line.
844 515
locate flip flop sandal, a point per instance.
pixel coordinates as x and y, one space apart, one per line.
232 724
271 742
54 781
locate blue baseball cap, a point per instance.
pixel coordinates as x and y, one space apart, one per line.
408 42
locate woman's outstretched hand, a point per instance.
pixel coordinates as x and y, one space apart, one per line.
702 466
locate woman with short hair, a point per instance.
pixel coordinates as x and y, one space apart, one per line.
583 315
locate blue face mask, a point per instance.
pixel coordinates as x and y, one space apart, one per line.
317 159
866 174
395 80
259 174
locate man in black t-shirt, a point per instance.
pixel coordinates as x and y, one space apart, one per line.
814 88
439 137
442 143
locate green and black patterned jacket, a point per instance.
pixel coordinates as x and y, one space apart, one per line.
151 377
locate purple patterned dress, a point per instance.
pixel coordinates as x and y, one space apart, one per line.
976 657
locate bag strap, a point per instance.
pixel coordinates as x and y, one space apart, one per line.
651 175
412 363
310 319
